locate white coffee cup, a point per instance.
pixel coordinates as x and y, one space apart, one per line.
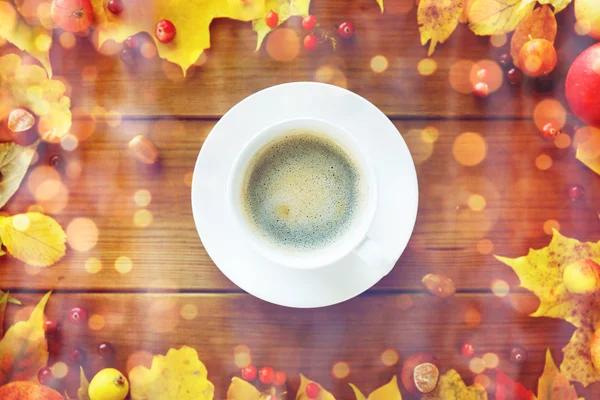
355 240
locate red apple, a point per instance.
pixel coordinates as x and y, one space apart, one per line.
583 86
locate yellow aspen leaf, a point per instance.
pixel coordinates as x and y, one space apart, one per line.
14 161
192 19
239 389
437 20
541 271
494 17
35 40
284 9
558 5
24 350
178 375
389 391
588 151
33 238
452 387
464 16
301 395
540 24
380 2
28 86
553 385
11 299
84 384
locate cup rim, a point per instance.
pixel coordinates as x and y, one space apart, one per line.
236 179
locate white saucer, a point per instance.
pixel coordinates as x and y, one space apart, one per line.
383 146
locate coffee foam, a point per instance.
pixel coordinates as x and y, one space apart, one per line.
302 191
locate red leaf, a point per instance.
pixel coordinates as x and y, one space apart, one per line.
507 389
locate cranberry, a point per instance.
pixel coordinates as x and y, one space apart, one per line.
549 132
249 373
78 315
127 56
132 42
467 350
576 191
515 76
312 390
266 375
481 89
165 31
106 350
51 326
310 41
77 356
309 22
116 6
45 376
505 60
280 378
272 19
518 355
346 30
55 161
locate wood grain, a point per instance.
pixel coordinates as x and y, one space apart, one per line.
168 255
307 341
233 70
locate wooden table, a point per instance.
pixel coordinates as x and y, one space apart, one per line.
141 309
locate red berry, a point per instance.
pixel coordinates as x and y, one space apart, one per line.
78 315
481 89
312 390
266 375
518 355
45 376
132 42
165 31
50 326
106 350
467 350
576 191
77 356
280 378
505 60
346 30
309 22
116 6
310 41
249 373
549 132
127 56
515 76
272 19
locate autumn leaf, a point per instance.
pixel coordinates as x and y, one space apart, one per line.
389 391
507 389
14 161
553 385
84 384
239 389
192 19
11 299
588 151
301 395
558 5
437 20
452 387
35 40
28 86
23 350
285 9
541 271
540 24
380 2
3 302
494 17
464 17
178 375
31 11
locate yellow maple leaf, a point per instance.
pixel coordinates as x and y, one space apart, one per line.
178 375
389 391
191 18
452 387
540 24
239 389
14 161
284 9
28 86
437 20
494 17
541 271
35 40
588 151
23 349
301 395
553 385
33 238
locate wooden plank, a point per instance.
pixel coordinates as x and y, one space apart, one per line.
233 70
168 254
306 341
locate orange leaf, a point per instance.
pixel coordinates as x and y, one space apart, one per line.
553 385
23 350
540 24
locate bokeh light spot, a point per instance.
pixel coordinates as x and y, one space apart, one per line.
427 66
476 202
473 317
21 222
562 141
202 59
242 356
89 73
460 76
143 218
485 246
582 27
82 234
404 302
187 179
69 142
43 42
500 288
189 311
430 134
113 117
549 225
60 370
283 44
494 76
31 270
148 50
67 40
483 380
139 358
549 111
340 370
420 149
498 40
477 365
142 198
123 265
543 162
469 149
96 322
93 265
389 357
39 175
491 360
379 64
